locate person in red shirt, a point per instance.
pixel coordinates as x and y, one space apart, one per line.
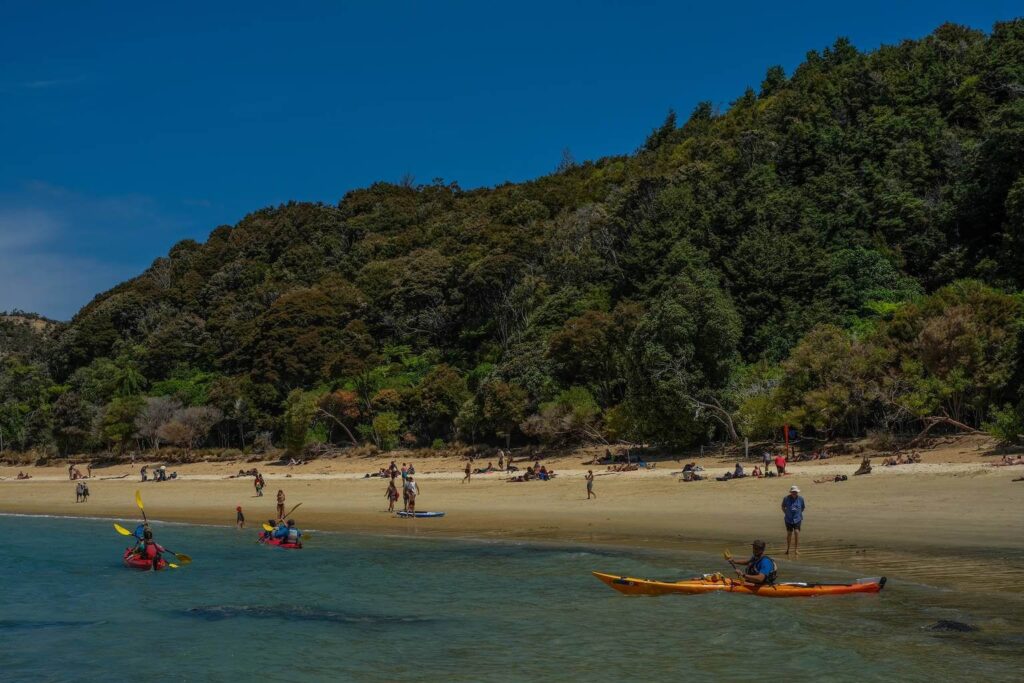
780 464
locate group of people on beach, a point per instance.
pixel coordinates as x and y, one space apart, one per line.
81 492
75 473
159 473
899 459
410 487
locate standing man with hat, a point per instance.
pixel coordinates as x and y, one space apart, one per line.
793 507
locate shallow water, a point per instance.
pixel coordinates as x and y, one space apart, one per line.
384 609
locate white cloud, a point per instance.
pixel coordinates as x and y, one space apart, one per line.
59 248
22 229
55 285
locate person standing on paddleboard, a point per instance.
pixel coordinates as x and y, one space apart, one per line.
793 507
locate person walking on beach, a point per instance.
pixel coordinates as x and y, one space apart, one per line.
793 507
766 459
258 483
466 479
501 459
239 518
280 504
78 492
780 464
590 484
392 495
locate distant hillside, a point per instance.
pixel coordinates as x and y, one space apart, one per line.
26 334
840 250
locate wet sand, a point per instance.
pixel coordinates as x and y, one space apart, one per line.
945 521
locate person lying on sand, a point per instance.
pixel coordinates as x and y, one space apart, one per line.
22 475
1007 461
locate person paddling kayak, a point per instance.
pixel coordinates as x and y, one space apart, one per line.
267 535
288 533
150 549
760 569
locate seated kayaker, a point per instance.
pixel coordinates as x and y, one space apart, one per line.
292 533
760 568
267 533
151 550
280 531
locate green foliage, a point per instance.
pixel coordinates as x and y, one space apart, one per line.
117 420
386 429
1006 425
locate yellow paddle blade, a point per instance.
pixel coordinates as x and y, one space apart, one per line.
727 554
183 558
267 527
172 565
138 499
121 530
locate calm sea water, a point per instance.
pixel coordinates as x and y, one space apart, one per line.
393 609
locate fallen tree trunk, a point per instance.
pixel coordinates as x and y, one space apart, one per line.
934 420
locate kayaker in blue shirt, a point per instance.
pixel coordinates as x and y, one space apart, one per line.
292 533
281 531
760 568
793 507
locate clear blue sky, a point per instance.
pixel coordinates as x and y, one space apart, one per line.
125 127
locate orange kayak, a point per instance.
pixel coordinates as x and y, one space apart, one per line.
711 583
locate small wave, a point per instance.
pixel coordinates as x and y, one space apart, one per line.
34 624
291 613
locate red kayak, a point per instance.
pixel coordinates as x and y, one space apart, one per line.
133 561
276 542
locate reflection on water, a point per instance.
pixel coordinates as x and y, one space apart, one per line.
399 609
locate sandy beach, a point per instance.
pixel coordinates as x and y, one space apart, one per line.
954 507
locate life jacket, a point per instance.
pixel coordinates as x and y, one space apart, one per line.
769 578
292 536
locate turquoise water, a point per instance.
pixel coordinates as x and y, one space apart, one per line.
396 609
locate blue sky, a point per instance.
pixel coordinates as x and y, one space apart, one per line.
125 127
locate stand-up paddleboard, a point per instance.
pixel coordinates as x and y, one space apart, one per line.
403 513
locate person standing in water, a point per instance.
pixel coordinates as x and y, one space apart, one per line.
590 484
239 518
280 504
793 507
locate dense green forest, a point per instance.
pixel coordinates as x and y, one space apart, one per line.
842 250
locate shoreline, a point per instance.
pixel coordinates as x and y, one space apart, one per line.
940 523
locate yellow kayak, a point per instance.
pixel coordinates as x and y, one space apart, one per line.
710 583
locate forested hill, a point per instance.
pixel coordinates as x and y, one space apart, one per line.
842 249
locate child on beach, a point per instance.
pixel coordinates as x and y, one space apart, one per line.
239 518
590 484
